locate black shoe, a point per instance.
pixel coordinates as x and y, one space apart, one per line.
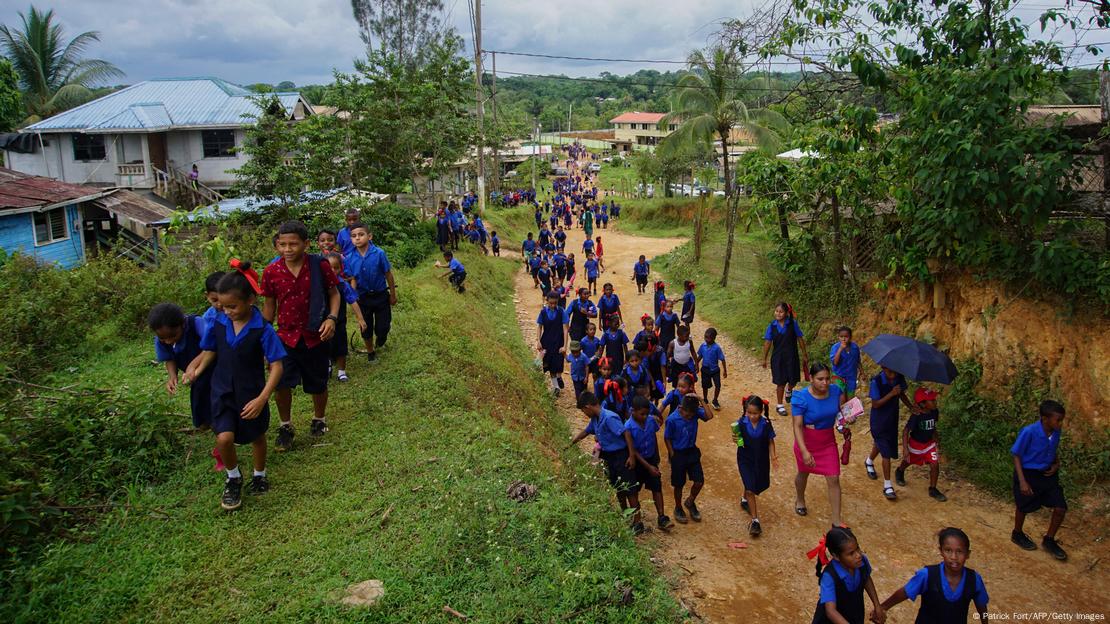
233 494
1022 540
900 477
665 522
1053 548
695 515
259 485
638 528
937 495
679 515
716 405
871 474
319 427
372 356
284 440
754 529
559 380
744 504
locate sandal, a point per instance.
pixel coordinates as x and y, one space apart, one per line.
871 474
781 410
890 494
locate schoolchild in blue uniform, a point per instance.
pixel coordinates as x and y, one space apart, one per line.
680 433
713 366
559 261
343 238
635 371
534 269
689 303
604 375
783 340
545 236
887 389
579 368
580 311
616 397
615 343
754 436
456 272
238 347
177 339
443 227
560 239
553 340
211 284
495 244
660 297
843 580
591 268
539 218
591 346
640 272
609 306
372 273
588 246
570 268
673 399
667 323
947 589
616 450
1037 477
640 430
844 355
527 248
543 275
338 345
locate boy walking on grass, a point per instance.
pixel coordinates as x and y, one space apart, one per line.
301 296
1037 477
369 267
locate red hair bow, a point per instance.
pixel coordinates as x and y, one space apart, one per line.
744 400
659 285
247 272
820 552
612 388
646 317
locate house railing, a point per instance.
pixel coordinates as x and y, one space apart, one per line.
134 169
174 181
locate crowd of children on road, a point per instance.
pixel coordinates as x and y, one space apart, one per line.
236 357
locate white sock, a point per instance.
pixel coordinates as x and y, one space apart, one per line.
233 473
260 473
869 462
341 372
886 484
755 519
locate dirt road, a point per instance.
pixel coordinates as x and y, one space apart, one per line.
771 580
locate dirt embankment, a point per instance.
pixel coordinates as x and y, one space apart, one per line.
1004 333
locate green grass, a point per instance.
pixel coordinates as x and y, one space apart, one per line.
408 487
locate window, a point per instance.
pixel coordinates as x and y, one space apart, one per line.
88 147
673 127
218 143
50 226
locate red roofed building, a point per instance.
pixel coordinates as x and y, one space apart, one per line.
638 128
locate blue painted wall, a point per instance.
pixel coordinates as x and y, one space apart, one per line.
17 234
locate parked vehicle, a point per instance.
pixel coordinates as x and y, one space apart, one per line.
560 172
593 167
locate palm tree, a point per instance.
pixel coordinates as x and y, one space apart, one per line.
52 72
708 103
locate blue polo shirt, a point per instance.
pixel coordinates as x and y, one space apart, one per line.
820 413
368 269
711 355
456 266
193 331
643 436
591 268
590 345
608 428
673 399
578 366
343 241
920 582
588 245
608 304
885 419
347 293
851 580
776 327
529 245
682 433
271 344
848 368
1036 450
641 268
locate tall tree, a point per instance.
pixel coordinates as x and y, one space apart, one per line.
11 101
53 72
709 103
404 28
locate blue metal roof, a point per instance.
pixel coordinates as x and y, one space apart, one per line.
163 104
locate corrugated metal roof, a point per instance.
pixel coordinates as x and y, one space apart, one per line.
163 104
134 206
20 192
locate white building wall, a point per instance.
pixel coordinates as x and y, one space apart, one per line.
185 148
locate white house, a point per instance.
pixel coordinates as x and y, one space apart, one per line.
142 135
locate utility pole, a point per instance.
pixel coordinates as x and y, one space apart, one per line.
481 106
496 129
536 149
1104 99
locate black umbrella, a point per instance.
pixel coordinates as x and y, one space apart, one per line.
914 359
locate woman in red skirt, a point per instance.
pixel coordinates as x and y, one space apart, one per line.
814 410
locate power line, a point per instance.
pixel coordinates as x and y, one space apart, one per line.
624 83
624 60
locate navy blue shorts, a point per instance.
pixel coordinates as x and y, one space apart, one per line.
225 417
710 378
621 477
306 367
1047 492
200 400
886 442
686 463
651 483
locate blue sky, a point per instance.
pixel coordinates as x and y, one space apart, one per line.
247 41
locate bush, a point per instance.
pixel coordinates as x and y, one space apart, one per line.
66 453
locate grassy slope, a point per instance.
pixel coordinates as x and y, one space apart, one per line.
409 488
